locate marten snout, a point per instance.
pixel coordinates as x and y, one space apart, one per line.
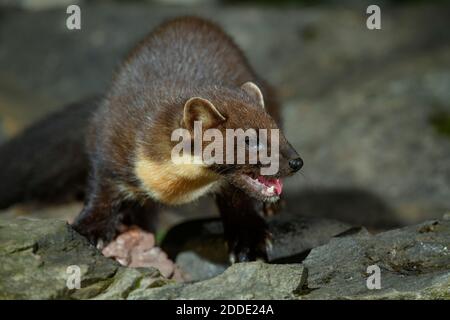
292 160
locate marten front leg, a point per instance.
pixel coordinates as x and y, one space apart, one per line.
100 216
245 229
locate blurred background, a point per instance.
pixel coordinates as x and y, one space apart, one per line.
368 110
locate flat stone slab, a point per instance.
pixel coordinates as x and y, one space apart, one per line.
198 246
243 281
35 256
414 263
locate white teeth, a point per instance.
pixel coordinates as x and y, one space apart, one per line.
271 189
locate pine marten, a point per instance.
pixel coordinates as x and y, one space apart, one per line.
184 72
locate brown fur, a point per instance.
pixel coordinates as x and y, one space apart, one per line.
187 69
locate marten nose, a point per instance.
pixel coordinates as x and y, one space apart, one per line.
296 164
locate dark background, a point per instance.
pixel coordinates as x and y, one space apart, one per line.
368 110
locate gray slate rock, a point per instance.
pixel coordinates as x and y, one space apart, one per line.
199 268
35 255
414 263
198 246
251 280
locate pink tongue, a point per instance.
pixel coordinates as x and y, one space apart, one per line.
278 185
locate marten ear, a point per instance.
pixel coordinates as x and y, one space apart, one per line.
199 109
253 91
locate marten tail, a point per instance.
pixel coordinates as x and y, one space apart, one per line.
47 162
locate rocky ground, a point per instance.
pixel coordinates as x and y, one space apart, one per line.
414 263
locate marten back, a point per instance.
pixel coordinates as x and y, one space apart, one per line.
184 52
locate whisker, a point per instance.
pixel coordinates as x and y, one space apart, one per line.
228 168
308 182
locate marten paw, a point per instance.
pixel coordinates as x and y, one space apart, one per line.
250 248
98 234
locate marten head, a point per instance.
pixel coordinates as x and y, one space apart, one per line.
229 134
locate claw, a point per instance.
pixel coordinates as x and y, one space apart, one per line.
100 244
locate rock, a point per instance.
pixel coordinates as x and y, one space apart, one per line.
35 256
414 263
197 267
128 279
198 246
136 248
252 280
294 235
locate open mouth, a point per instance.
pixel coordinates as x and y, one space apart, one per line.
267 187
